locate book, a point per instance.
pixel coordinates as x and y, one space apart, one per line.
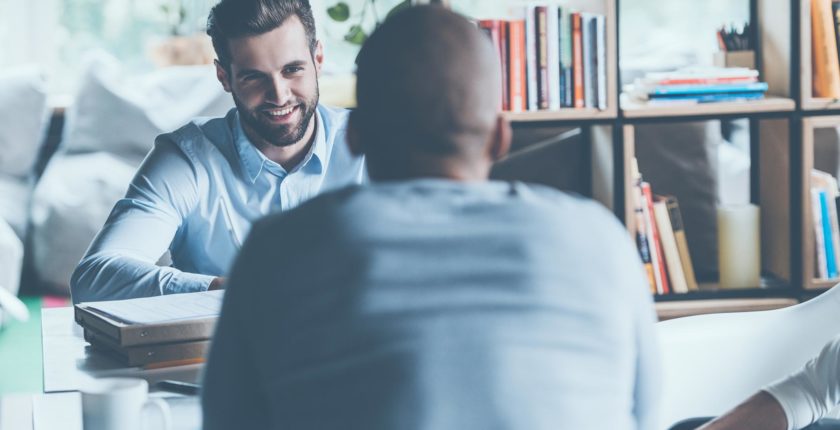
566 84
642 238
827 184
143 355
577 61
661 90
543 85
531 68
553 36
676 277
516 72
682 243
825 62
654 243
830 258
705 98
819 236
150 320
601 61
589 72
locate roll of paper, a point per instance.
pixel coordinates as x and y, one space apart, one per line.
739 246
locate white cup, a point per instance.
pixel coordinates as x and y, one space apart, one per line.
121 404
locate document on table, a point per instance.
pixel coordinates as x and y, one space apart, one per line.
160 309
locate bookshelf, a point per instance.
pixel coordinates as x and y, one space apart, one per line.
782 127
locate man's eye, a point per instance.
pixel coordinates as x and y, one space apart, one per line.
290 70
250 78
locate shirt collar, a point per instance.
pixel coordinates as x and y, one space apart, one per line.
254 161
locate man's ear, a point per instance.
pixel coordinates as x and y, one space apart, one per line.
500 141
222 75
354 141
318 57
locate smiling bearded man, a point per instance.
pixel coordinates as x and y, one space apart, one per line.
201 186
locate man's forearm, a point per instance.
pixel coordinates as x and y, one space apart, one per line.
759 412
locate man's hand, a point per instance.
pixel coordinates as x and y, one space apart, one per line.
218 283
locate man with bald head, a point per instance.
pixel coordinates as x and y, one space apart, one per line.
444 300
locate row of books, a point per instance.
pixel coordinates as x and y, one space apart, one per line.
553 58
660 238
698 85
157 331
824 193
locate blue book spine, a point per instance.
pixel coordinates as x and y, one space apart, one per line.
709 89
829 245
707 98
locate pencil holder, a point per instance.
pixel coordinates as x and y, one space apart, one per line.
735 59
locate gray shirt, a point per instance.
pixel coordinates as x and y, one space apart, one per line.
434 304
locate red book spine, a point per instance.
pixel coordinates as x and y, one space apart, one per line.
541 15
577 60
655 232
504 50
516 45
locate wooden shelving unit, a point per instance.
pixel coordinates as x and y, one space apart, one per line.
782 150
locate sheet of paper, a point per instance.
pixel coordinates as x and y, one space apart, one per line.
171 307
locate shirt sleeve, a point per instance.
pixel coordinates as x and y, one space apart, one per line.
807 395
120 262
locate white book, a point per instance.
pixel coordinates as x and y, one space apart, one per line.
162 309
553 36
587 39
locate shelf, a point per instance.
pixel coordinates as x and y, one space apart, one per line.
636 109
679 309
568 114
822 284
819 104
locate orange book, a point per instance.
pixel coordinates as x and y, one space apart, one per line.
577 60
826 66
516 70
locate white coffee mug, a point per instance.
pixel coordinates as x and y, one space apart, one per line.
121 404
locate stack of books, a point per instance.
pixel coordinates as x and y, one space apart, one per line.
698 85
824 193
660 238
552 58
154 331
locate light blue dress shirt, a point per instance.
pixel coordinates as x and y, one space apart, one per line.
196 195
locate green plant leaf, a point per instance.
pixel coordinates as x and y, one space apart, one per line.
398 7
356 35
340 12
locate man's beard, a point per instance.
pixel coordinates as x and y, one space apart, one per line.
278 135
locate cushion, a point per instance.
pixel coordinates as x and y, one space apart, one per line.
70 204
11 258
14 202
23 119
122 114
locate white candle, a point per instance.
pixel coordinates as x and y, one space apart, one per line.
739 246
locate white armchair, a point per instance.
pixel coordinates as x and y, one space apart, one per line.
711 363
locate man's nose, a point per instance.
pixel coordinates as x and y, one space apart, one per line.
279 91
